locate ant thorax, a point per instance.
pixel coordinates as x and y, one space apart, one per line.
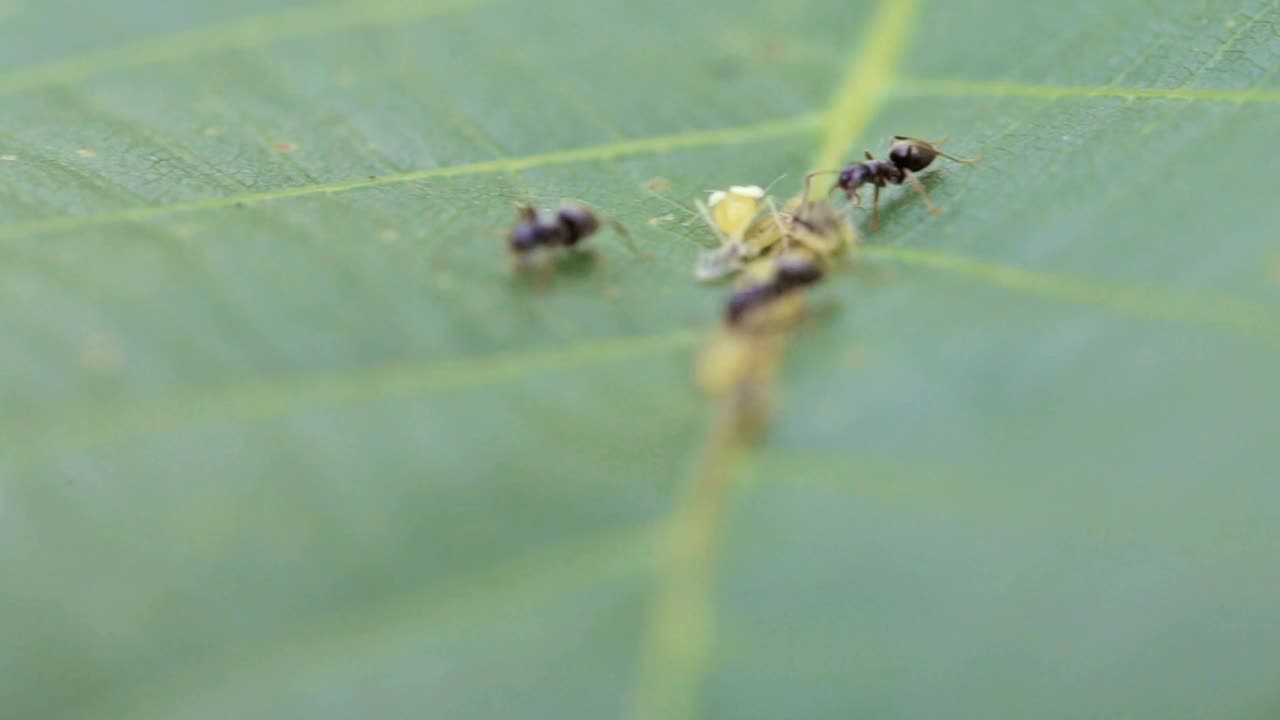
872 172
533 230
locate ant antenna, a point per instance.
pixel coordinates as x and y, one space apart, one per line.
777 216
809 178
769 187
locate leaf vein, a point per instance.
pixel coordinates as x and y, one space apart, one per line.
678 652
1225 314
956 87
257 31
609 151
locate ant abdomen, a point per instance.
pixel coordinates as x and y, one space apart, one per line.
911 154
790 273
746 300
578 222
796 271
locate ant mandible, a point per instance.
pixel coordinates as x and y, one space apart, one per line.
907 156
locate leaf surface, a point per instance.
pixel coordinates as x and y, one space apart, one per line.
281 437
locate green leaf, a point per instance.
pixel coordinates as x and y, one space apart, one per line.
280 436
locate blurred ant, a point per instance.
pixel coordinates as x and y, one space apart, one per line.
814 226
907 156
782 276
571 224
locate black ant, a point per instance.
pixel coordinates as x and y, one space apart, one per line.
566 228
907 156
789 272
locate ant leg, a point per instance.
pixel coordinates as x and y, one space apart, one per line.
935 144
626 236
875 210
542 269
769 187
526 212
962 161
550 265
777 215
924 195
784 230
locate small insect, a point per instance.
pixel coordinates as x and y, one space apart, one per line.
731 211
814 226
907 156
739 364
738 216
771 281
571 224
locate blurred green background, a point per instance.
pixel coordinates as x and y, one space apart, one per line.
280 437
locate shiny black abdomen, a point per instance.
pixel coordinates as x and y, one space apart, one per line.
911 157
578 223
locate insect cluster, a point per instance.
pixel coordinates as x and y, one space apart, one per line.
776 253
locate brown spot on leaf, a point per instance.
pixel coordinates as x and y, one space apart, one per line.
657 184
286 146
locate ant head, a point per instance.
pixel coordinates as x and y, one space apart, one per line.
526 236
853 177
